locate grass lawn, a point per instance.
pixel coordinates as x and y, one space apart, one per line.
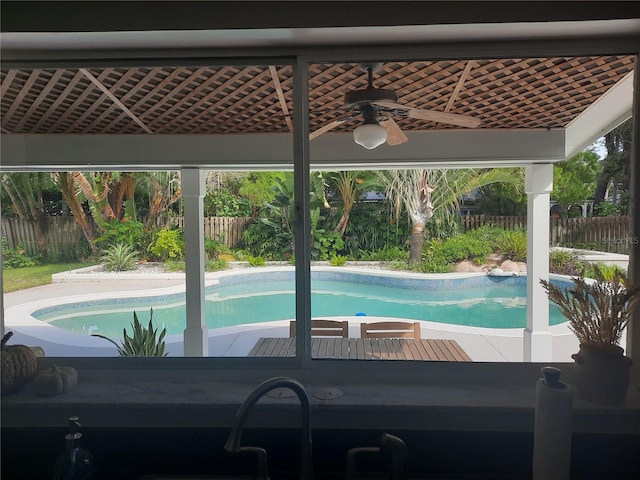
14 279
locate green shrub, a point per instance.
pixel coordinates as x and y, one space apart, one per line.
143 342
564 262
462 247
117 231
119 258
338 260
267 237
168 244
216 265
214 248
486 233
175 265
512 244
326 244
607 272
256 261
373 227
385 254
16 257
222 203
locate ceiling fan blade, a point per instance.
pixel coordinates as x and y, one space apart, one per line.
433 115
329 126
395 136
324 129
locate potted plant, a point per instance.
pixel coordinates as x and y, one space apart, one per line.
598 311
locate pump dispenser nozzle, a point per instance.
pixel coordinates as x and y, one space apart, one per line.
76 463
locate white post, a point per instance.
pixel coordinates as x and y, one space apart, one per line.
538 345
196 337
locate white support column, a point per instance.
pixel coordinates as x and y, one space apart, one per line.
196 337
537 337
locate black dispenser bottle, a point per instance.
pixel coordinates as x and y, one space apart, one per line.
76 463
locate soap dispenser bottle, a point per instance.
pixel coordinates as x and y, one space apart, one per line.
76 463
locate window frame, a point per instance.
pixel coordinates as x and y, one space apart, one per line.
300 59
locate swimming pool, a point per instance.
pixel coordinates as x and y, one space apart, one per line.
244 298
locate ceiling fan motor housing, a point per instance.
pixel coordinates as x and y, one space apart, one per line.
357 98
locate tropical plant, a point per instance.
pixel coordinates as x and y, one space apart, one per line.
168 244
260 187
121 231
74 200
222 203
338 260
425 193
503 198
256 261
598 311
512 244
119 258
373 227
164 191
350 186
143 342
214 248
325 243
439 256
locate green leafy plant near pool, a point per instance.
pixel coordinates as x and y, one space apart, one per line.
119 258
144 342
256 261
168 245
338 260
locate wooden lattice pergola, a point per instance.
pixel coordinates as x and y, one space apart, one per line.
515 93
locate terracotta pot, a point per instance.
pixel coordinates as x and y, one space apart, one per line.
602 375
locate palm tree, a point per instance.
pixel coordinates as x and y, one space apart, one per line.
64 181
428 192
351 186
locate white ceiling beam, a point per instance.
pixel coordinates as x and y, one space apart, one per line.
602 116
337 151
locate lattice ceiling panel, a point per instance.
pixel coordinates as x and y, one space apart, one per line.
503 93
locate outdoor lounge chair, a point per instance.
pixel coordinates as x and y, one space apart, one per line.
324 328
390 330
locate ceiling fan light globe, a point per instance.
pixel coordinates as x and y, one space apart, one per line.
370 135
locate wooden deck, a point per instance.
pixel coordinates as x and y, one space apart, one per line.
365 349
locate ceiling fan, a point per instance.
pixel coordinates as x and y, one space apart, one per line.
377 106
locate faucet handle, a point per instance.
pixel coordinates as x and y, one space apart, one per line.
390 444
398 450
263 471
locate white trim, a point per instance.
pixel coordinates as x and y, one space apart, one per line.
602 116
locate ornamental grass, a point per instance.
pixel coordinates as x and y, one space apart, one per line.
598 309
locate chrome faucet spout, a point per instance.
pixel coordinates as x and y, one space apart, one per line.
233 441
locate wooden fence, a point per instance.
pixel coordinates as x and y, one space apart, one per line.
608 234
64 237
224 229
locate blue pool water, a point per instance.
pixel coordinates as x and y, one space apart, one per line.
262 297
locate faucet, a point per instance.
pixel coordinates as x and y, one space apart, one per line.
233 442
388 443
